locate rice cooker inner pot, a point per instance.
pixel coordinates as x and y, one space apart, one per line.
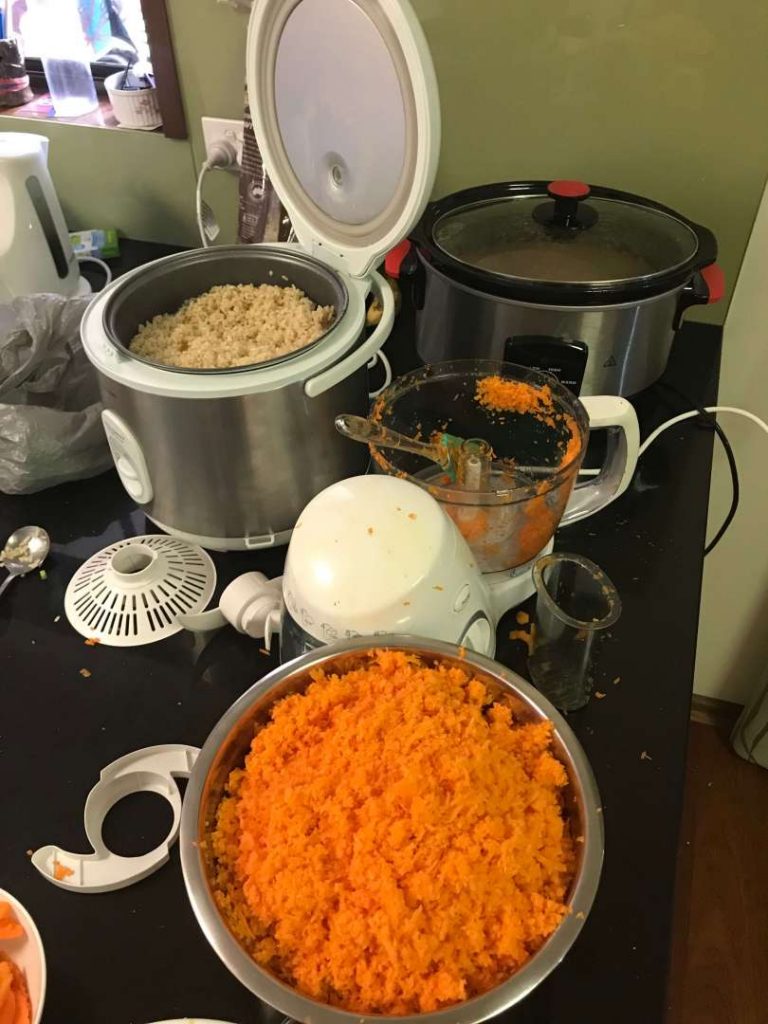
164 286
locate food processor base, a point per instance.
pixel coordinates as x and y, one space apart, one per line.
511 587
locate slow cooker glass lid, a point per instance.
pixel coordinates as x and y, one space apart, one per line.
624 242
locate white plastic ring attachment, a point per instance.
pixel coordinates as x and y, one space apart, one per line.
380 357
150 770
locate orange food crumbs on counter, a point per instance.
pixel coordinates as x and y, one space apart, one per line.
599 694
395 842
524 636
61 871
15 1005
92 641
617 680
9 926
522 618
85 673
412 515
645 756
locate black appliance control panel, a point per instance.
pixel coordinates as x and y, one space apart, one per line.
564 360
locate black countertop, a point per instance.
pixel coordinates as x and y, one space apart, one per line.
137 955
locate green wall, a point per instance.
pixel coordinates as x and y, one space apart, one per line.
662 99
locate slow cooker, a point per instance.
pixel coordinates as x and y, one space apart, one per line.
584 282
345 106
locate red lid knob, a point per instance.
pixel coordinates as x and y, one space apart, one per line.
568 189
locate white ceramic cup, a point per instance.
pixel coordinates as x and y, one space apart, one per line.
133 108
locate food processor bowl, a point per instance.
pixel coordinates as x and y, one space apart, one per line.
537 432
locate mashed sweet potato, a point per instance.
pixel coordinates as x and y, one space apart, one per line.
395 842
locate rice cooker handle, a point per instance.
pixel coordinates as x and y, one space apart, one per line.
363 353
617 416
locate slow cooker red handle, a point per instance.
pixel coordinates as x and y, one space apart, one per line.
714 279
393 261
706 287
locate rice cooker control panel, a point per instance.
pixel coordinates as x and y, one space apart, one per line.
129 458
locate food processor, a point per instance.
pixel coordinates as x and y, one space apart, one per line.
478 464
375 555
369 556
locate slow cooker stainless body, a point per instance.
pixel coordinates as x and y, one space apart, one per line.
627 345
229 458
584 282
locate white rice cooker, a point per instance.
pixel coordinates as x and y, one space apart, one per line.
345 107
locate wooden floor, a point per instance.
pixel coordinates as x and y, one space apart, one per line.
719 969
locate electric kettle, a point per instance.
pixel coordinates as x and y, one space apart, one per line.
35 251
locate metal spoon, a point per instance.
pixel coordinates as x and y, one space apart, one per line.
25 550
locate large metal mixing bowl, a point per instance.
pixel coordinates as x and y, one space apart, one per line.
225 749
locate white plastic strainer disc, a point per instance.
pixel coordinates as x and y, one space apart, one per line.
133 592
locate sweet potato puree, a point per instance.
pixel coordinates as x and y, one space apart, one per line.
395 842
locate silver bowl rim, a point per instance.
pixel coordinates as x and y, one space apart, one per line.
288 1000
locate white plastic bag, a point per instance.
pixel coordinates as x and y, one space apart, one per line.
50 413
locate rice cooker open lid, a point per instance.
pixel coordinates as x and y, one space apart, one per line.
548 240
345 109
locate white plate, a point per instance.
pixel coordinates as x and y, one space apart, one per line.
28 954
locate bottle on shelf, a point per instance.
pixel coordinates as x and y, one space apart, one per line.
55 34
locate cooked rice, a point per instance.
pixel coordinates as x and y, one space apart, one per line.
233 325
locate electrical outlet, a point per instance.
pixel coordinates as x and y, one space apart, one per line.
221 129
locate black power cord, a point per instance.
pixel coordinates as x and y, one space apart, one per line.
710 420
